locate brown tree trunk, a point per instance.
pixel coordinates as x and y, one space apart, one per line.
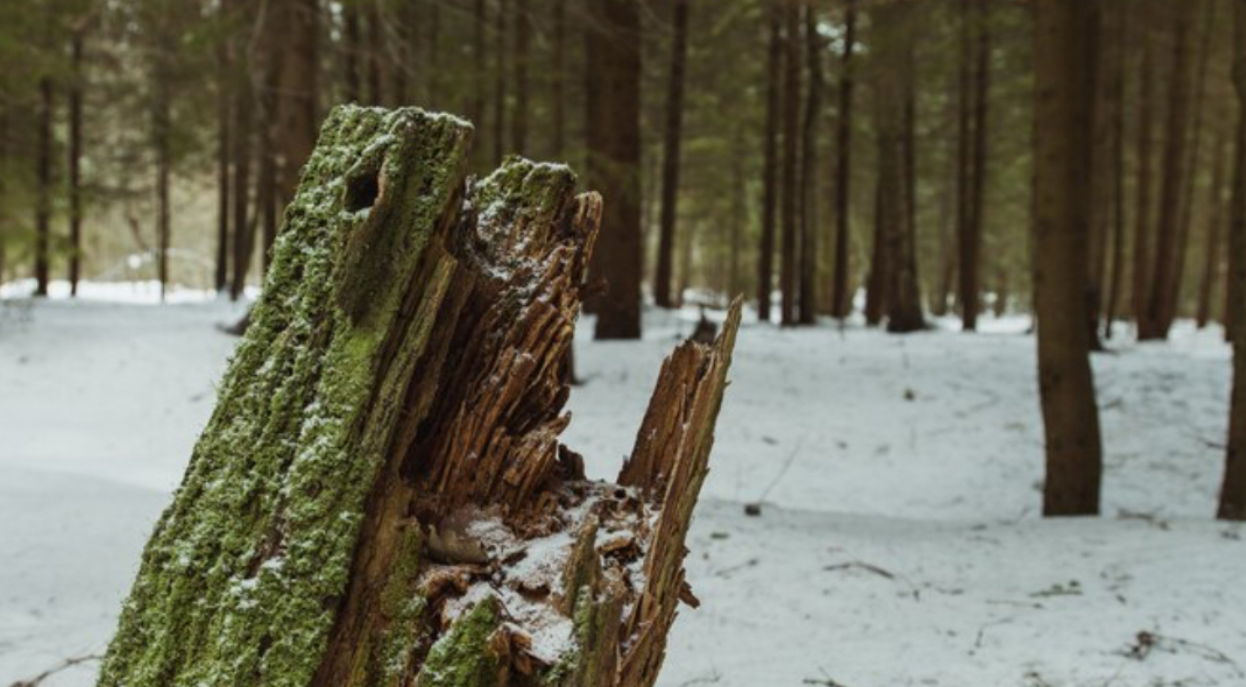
613 128
379 543
972 134
163 131
297 119
499 82
353 49
519 118
375 52
43 191
1215 217
790 183
75 159
841 300
1117 99
1164 272
770 162
244 236
904 306
224 93
807 311
558 79
1142 215
1233 491
671 137
879 279
1064 66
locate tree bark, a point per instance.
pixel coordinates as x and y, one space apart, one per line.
904 304
224 92
43 190
75 158
790 183
162 129
519 119
385 450
352 47
499 82
1164 272
613 128
1118 228
1211 260
1064 115
841 300
807 306
244 234
375 52
671 137
770 162
1233 491
558 79
297 117
1142 215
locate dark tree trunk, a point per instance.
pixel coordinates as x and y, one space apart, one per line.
1117 99
519 118
223 113
499 82
558 79
297 119
613 127
972 133
1064 112
790 184
770 163
75 159
162 130
1164 272
1211 259
375 52
841 301
809 228
904 305
672 135
352 47
1233 491
1142 215
876 296
43 191
244 237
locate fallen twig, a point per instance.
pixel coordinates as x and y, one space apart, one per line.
66 664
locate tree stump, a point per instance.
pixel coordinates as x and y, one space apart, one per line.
380 497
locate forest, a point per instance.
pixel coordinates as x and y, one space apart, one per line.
916 325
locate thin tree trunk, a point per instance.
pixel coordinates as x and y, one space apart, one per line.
1233 491
297 116
672 136
841 301
1064 66
1118 175
904 308
1211 260
1164 272
770 163
75 159
519 119
243 230
558 79
971 254
879 279
790 184
43 199
809 167
162 128
739 214
1142 215
614 74
353 50
223 97
375 52
499 82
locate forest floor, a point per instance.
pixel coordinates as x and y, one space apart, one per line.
899 541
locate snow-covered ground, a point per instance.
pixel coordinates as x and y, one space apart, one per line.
899 541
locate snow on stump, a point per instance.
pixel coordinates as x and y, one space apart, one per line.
380 497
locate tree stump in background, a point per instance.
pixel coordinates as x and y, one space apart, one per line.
380 497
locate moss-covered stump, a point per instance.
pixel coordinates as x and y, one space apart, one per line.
380 497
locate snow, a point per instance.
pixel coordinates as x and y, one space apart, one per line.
899 541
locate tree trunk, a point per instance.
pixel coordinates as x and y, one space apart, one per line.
162 128
1142 218
972 133
613 128
1064 66
879 279
1118 229
904 304
790 184
385 450
244 237
223 97
75 159
352 47
770 163
297 118
671 137
807 311
1233 491
1211 260
375 52
519 119
841 300
499 82
1164 273
43 198
558 79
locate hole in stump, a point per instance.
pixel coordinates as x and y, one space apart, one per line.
362 191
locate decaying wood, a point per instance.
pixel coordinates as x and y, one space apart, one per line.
381 497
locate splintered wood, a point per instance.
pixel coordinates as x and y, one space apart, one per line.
381 497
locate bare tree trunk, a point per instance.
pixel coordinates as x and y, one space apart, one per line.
770 163
841 301
499 83
1117 98
1211 260
353 49
43 198
879 279
739 215
613 126
972 133
162 129
904 308
375 52
558 79
1142 218
519 119
809 170
244 237
1153 326
1233 491
1064 66
225 77
790 183
75 158
297 117
672 135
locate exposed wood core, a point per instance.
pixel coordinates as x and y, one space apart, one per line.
381 497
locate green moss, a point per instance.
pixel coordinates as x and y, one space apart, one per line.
239 582
462 657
